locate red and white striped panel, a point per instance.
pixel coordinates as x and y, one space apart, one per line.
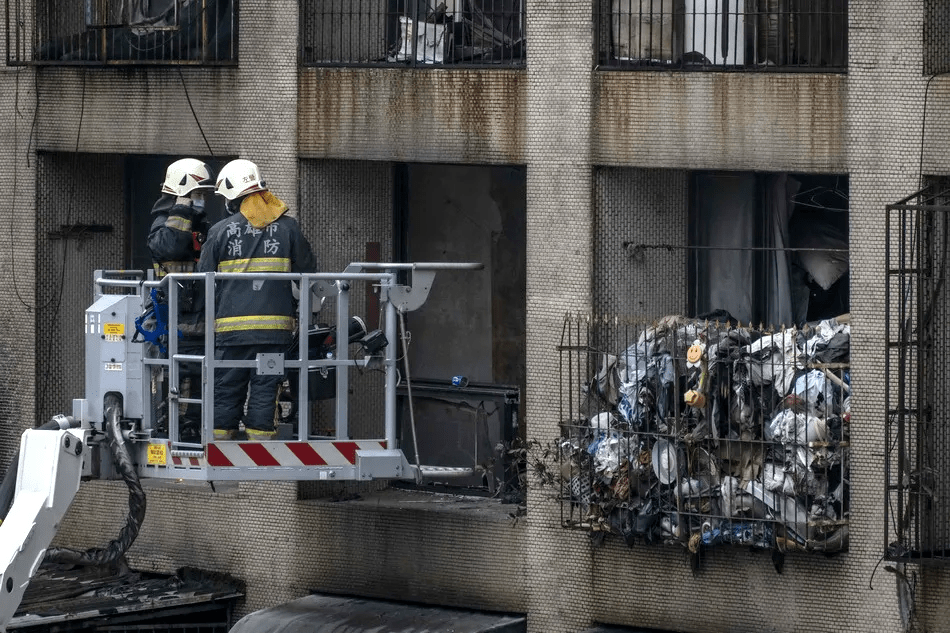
325 453
187 462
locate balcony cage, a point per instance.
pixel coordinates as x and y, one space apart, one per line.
415 33
700 433
121 32
722 35
917 322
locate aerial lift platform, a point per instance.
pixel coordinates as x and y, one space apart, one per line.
114 431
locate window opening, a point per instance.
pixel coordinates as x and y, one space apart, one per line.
769 248
122 31
477 213
765 35
158 14
706 425
418 33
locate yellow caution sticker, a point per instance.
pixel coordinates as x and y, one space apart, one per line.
157 454
113 329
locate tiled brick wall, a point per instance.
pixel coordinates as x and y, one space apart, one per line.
74 190
635 207
445 115
565 122
18 179
560 271
344 205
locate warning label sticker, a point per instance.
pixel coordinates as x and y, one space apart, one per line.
113 329
157 454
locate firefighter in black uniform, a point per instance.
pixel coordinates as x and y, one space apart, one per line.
178 228
254 316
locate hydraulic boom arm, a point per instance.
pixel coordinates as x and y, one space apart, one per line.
48 475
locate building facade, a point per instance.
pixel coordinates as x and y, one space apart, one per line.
545 156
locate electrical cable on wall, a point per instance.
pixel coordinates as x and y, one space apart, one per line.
16 105
36 107
16 171
193 113
923 130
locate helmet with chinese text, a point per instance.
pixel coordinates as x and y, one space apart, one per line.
239 178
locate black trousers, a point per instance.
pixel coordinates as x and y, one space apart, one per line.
233 386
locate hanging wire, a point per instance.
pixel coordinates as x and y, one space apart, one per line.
412 415
16 171
923 129
193 113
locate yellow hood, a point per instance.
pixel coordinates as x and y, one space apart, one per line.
262 208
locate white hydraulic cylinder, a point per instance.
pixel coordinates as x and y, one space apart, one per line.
48 477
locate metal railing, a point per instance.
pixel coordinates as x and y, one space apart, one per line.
756 35
394 298
703 433
417 33
63 32
917 313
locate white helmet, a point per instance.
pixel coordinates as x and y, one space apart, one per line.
186 175
239 178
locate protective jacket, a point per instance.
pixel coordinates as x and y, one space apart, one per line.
174 241
261 238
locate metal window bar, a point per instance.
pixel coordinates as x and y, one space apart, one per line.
121 32
722 35
916 468
697 433
413 33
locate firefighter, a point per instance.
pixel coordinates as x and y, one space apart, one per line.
178 229
253 316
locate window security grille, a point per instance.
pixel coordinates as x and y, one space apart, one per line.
917 439
764 35
702 433
122 32
419 33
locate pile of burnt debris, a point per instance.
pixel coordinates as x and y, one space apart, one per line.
704 433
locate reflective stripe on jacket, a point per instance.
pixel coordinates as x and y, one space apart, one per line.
256 265
258 322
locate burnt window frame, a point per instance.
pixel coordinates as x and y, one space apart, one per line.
499 405
388 23
93 46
